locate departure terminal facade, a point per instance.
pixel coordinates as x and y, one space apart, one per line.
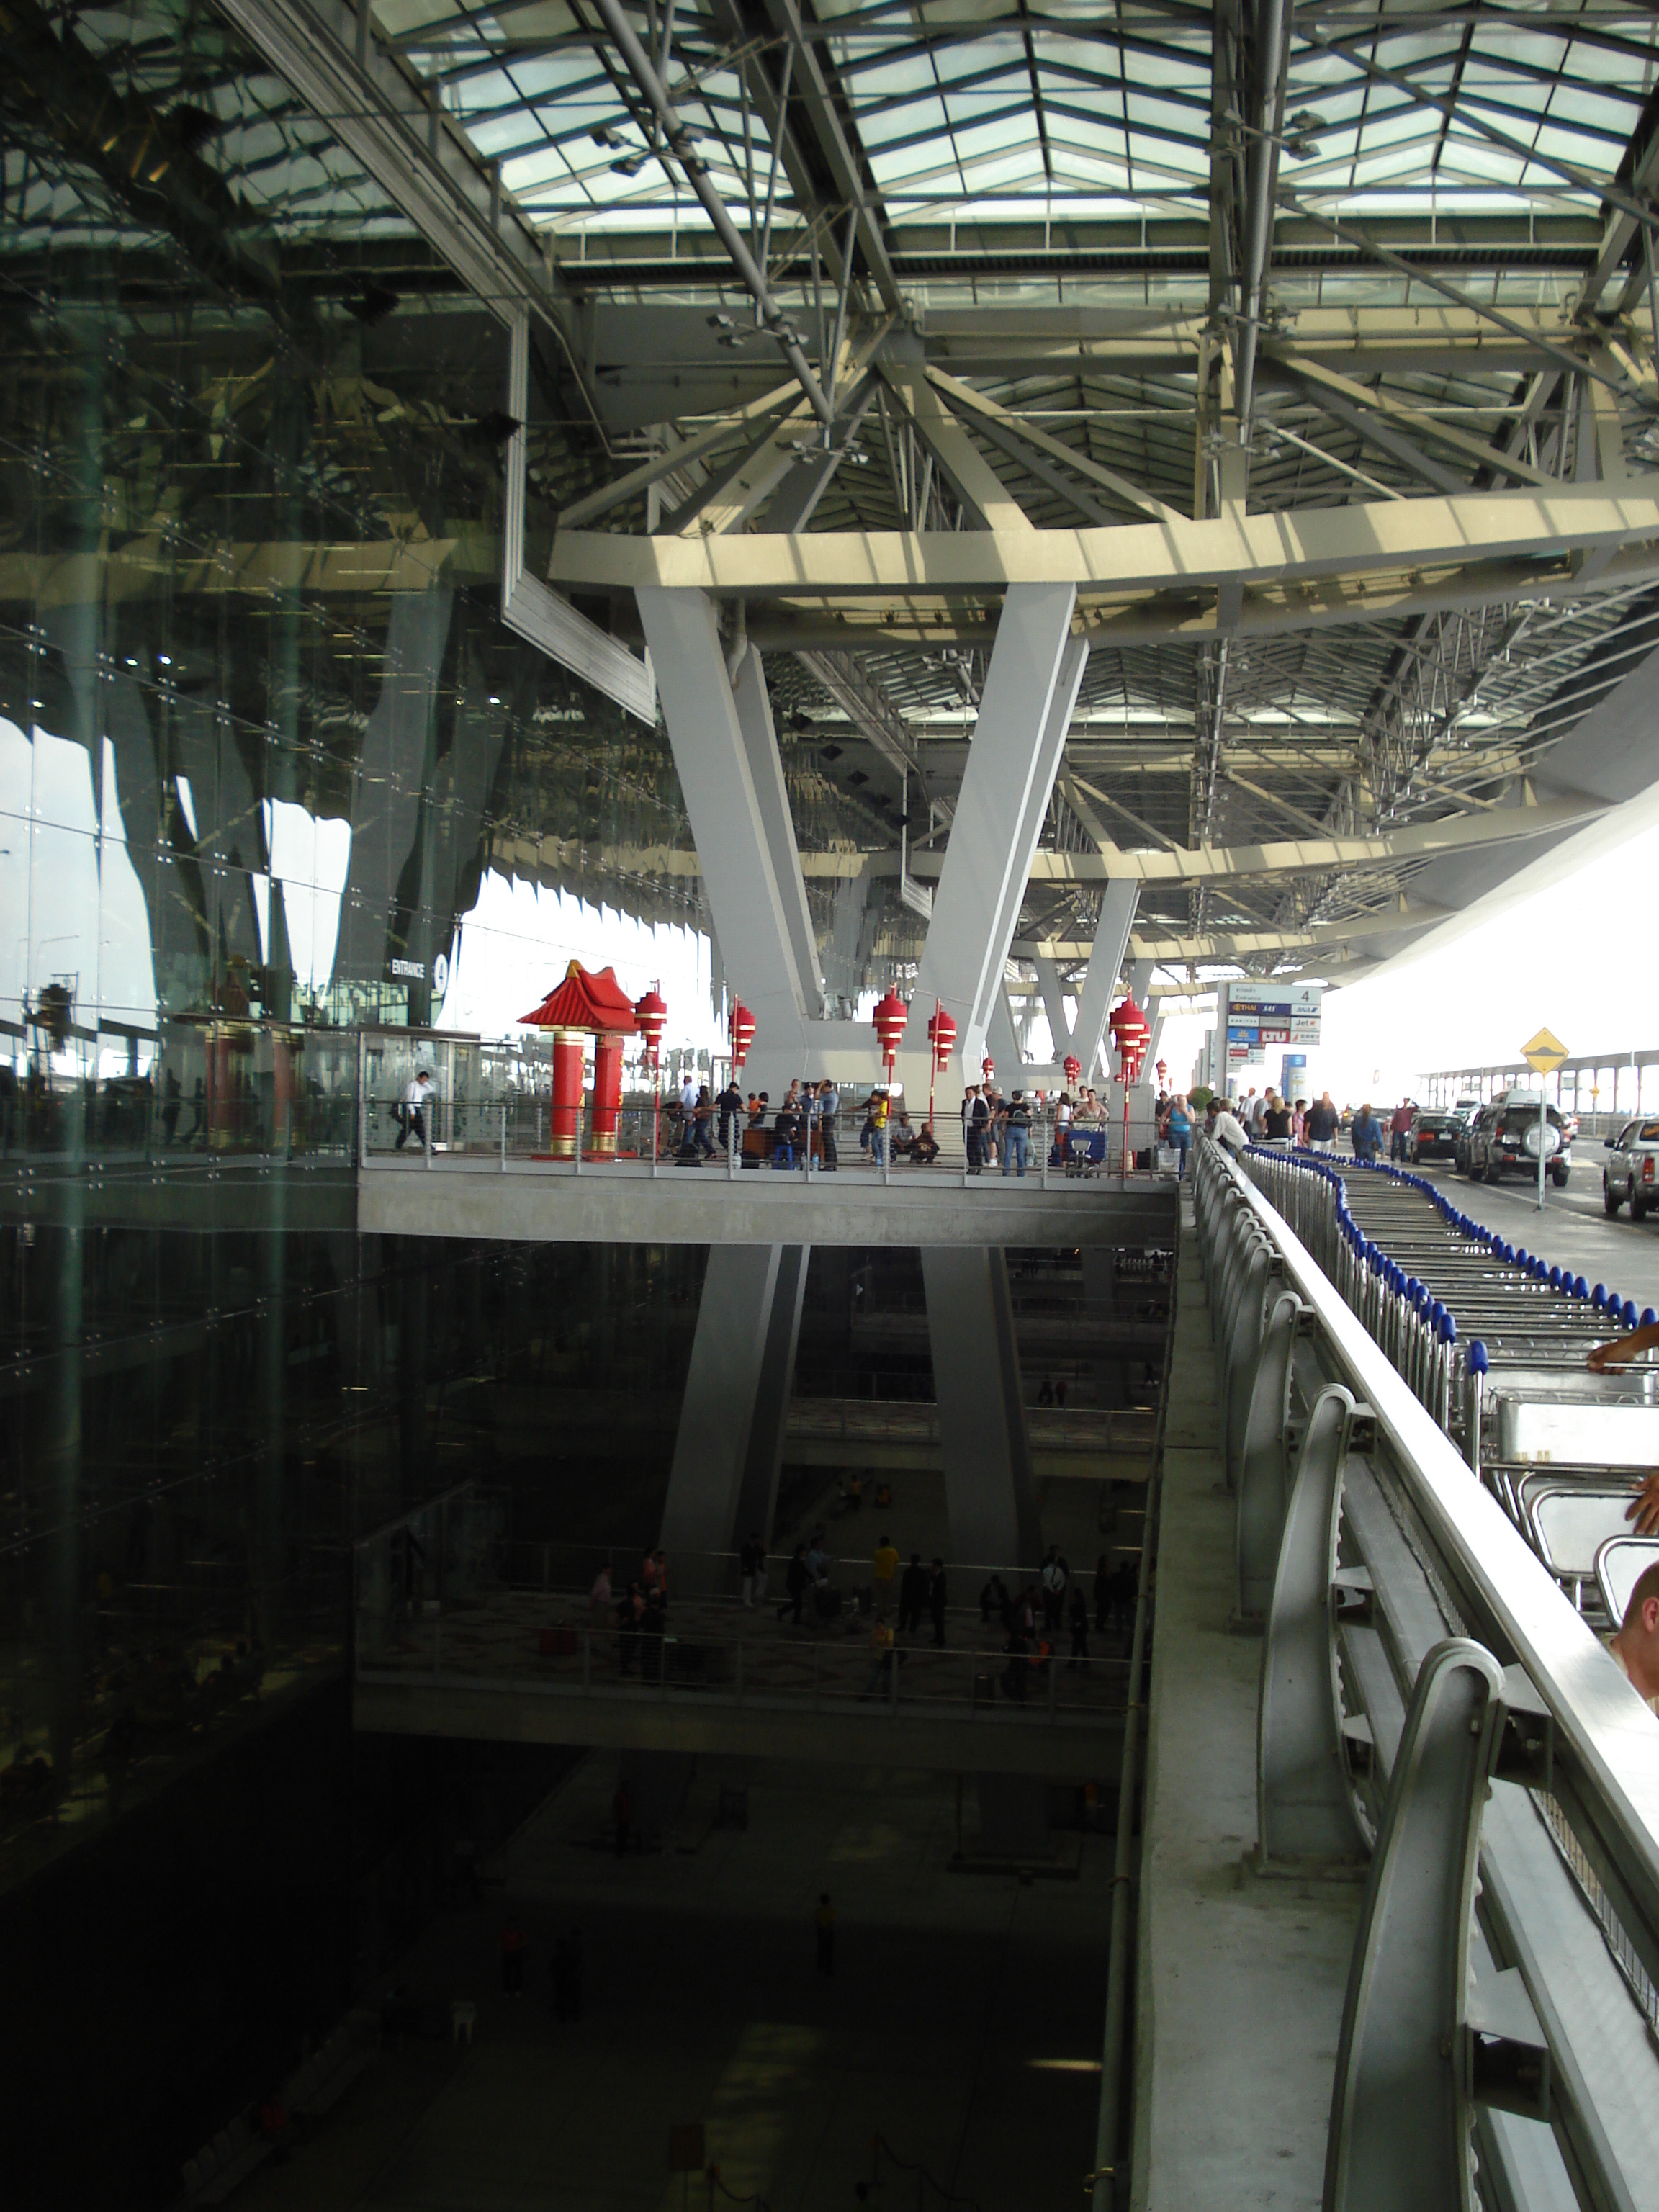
1022 512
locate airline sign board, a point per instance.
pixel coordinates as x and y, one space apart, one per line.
1262 1016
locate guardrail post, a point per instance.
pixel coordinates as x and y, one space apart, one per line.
1402 2107
1304 1806
1260 1474
1240 1346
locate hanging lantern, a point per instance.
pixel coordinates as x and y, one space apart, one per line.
1131 1034
1071 1067
651 1019
889 1021
988 1067
743 1034
1163 1067
942 1034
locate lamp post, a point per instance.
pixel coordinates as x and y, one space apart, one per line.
1131 1034
651 1019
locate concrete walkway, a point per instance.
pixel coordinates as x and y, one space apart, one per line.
1241 1979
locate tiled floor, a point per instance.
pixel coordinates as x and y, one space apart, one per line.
961 2024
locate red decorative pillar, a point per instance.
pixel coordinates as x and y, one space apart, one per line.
569 1048
607 1092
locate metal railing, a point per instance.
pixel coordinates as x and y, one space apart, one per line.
441 1596
1337 1394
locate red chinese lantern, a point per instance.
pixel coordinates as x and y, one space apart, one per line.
1163 1067
651 1019
1072 1067
1131 1034
988 1067
742 1035
888 1019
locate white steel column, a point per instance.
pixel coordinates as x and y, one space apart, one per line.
730 1438
1117 918
1052 986
732 780
760 740
1025 712
981 1408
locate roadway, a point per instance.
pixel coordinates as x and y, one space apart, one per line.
1573 1231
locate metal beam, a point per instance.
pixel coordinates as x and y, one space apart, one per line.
996 417
1360 409
1320 547
678 143
973 479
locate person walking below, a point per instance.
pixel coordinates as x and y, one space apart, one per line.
883 1565
1053 1578
729 1106
421 1093
913 1596
938 1598
1399 1127
1079 1628
796 1583
824 1930
1015 1133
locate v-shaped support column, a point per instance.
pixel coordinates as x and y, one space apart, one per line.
726 754
1031 688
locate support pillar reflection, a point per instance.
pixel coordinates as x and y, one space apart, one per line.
729 1445
981 1408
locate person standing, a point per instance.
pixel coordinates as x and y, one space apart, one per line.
752 1564
979 1129
938 1598
1366 1134
823 1930
1322 1123
1276 1121
796 1583
883 1565
1178 1132
913 1595
828 1107
1015 1133
729 1106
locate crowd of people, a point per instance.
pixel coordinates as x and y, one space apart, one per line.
1032 1620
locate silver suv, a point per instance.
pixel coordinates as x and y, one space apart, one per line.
1633 1169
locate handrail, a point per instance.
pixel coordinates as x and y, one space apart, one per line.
1605 1753
1103 2179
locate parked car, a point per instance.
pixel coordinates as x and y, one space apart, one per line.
1433 1135
1506 1136
1630 1172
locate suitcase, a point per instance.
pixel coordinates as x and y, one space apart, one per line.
559 1643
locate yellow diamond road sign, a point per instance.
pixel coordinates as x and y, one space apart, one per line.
1544 1054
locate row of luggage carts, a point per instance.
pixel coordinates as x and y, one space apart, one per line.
1496 1340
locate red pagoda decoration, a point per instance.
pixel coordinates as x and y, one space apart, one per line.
584 1005
1071 1067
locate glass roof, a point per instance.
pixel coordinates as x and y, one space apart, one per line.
993 116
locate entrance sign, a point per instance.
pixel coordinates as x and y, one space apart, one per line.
1543 1053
